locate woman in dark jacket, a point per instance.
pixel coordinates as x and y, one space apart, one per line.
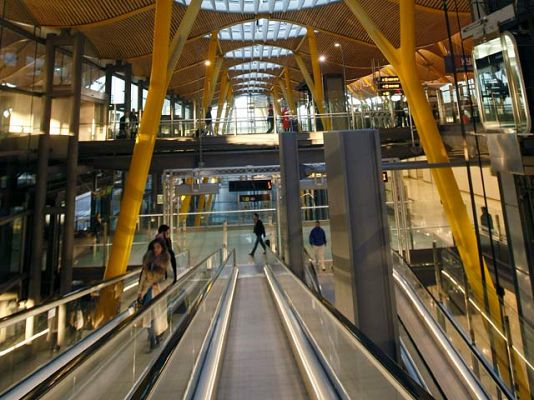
163 233
156 268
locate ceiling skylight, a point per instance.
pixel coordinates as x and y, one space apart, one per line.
258 6
262 30
255 66
255 75
251 83
258 51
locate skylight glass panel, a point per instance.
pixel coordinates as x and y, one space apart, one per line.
255 75
251 83
262 30
258 6
258 51
255 66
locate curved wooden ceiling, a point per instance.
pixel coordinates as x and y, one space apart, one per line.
120 29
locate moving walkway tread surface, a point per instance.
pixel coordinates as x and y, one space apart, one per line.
258 361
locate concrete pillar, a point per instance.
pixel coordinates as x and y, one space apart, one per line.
42 175
360 239
291 224
67 258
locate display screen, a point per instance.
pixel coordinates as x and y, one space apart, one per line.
250 186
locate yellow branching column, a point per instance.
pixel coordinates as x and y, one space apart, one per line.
228 111
164 60
210 72
223 93
311 85
403 60
317 76
289 93
276 103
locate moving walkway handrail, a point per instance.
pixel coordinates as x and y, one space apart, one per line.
405 285
210 359
407 382
38 385
318 380
311 273
77 294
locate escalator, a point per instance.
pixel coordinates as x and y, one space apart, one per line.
249 332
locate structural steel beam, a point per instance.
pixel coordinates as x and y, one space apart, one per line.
403 60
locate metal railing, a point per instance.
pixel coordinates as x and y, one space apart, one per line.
467 358
66 374
44 332
319 320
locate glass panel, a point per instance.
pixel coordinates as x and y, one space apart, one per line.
493 86
251 6
20 114
128 353
354 366
517 85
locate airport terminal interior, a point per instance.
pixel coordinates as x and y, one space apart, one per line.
266 199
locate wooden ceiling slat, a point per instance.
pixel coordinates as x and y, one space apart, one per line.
130 37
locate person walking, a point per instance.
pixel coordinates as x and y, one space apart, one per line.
164 233
270 118
208 120
156 267
98 227
134 124
318 243
259 231
285 120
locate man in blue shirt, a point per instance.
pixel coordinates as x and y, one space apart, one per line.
318 242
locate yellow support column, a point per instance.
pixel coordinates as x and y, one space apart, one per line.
210 69
229 102
309 81
144 146
404 62
289 93
317 76
276 104
215 78
284 91
164 60
223 92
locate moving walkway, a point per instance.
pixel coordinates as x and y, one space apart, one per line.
250 332
233 333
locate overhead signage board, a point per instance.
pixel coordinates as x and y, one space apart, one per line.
250 186
388 85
